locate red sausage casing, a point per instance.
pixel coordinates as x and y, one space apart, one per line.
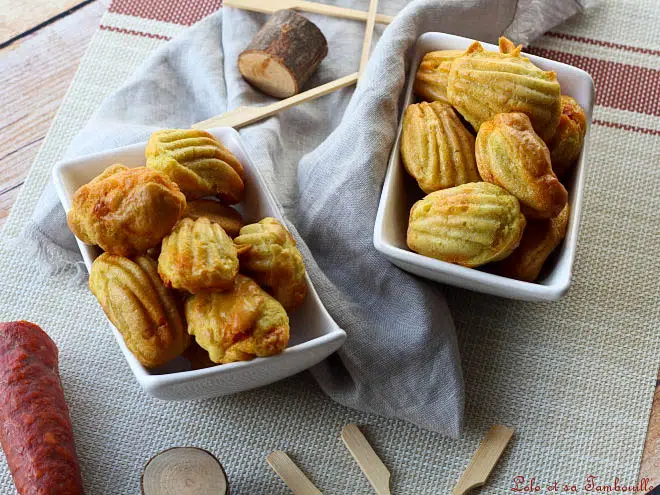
35 428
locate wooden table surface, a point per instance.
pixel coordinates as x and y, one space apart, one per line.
41 44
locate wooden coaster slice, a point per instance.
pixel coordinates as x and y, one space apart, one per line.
184 471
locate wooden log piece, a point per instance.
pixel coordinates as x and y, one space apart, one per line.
184 471
283 54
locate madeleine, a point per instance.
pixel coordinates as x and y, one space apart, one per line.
198 255
197 162
436 148
566 145
268 253
433 74
482 84
508 46
469 225
137 303
227 217
511 155
539 240
126 211
239 324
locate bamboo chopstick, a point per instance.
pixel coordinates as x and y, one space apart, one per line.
272 6
243 116
368 35
484 459
369 462
291 474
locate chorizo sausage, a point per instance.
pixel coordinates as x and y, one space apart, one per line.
35 428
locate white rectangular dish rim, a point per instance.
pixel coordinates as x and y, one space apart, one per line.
550 287
186 385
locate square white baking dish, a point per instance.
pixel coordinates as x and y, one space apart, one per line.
314 334
400 192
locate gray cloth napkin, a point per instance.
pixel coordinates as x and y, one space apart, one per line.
325 161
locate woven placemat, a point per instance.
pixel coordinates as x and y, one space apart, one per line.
575 378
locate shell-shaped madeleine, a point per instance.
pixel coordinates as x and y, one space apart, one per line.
540 238
436 148
511 155
433 73
227 217
126 211
268 253
566 145
198 356
508 46
239 324
198 255
197 162
469 225
482 84
145 312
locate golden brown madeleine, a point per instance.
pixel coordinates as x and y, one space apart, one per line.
111 170
198 255
269 254
508 46
198 356
469 225
227 217
540 238
238 324
145 312
482 84
436 148
126 211
567 142
197 162
511 155
433 73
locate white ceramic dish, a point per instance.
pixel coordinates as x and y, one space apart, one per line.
400 192
314 334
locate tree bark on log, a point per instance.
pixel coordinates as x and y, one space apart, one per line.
283 54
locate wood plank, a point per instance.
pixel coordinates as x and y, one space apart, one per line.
6 201
24 15
35 73
650 467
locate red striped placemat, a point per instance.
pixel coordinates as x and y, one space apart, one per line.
587 415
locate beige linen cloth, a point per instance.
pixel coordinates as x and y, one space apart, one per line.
551 370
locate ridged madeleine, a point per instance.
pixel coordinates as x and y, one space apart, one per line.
469 225
198 356
198 255
508 46
239 324
145 312
197 162
511 155
436 148
227 217
433 73
566 145
539 240
268 253
126 211
482 84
